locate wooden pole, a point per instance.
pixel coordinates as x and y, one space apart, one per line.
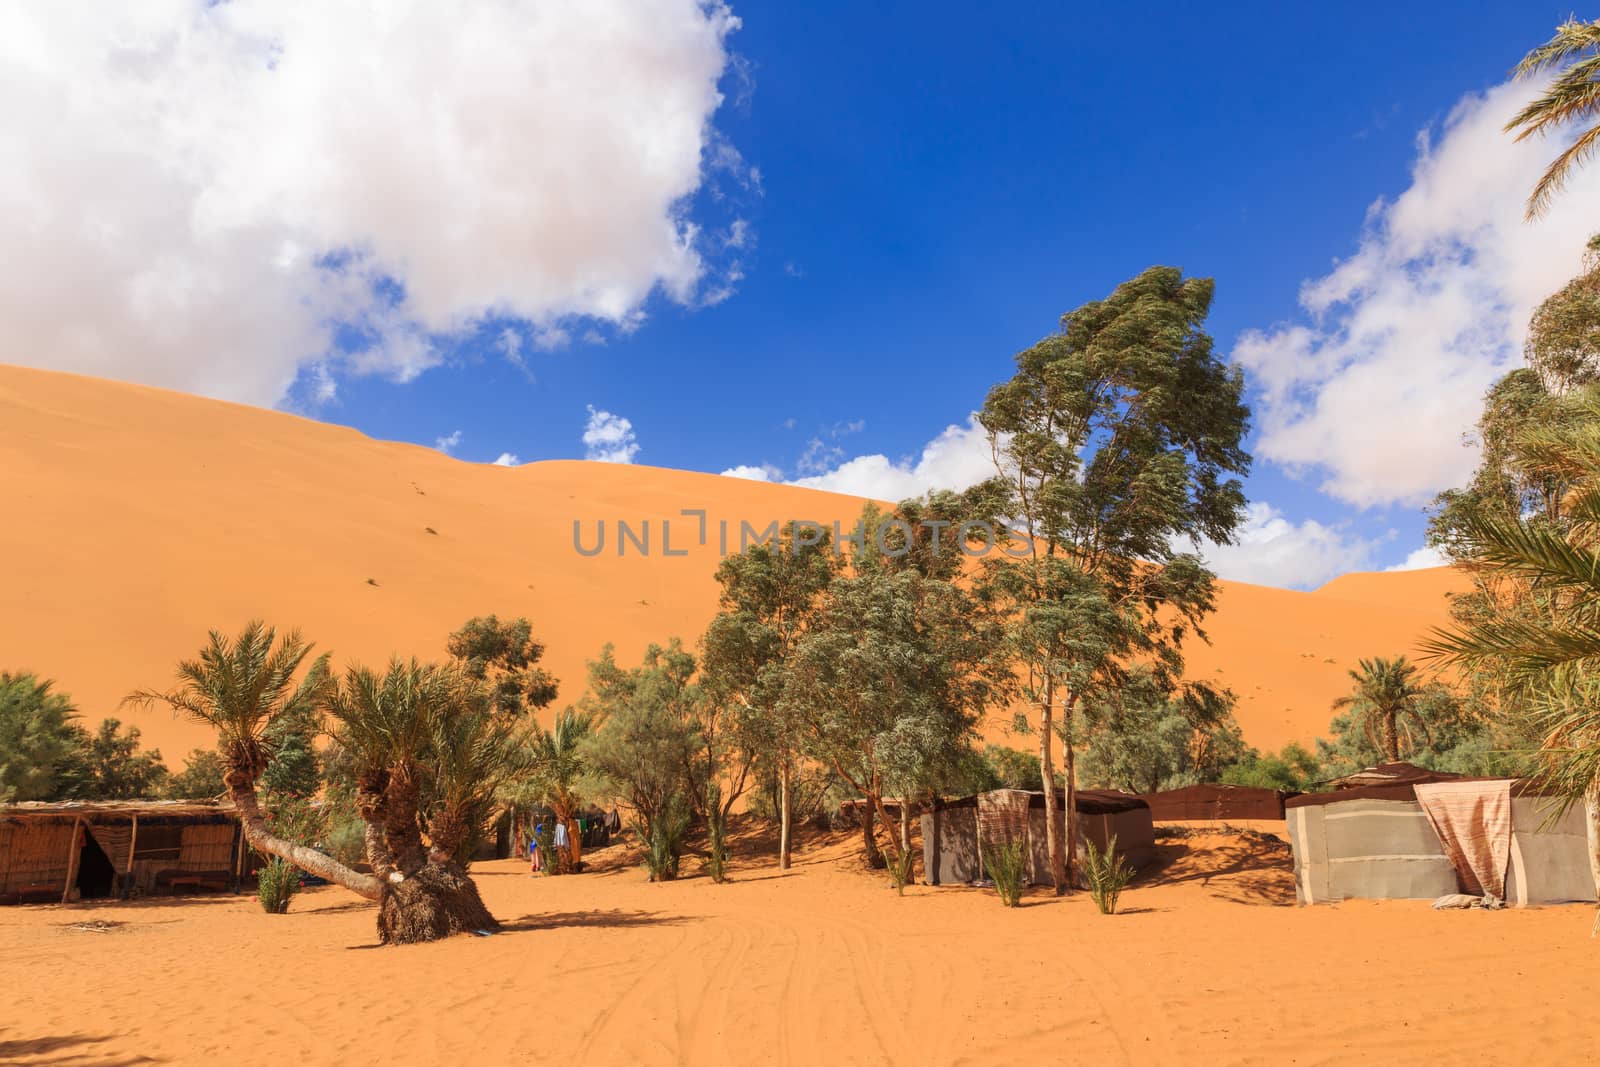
133 844
72 860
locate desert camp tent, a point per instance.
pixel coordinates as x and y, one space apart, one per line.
951 833
87 849
1218 803
1425 835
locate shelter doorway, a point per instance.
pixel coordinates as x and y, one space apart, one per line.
95 873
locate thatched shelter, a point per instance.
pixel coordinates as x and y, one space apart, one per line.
76 850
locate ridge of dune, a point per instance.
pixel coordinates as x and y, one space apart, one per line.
141 518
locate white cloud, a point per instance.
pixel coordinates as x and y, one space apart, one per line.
1271 550
764 473
609 438
447 444
957 458
204 195
507 459
1426 556
1406 335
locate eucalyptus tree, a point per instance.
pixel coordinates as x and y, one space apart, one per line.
1119 439
770 595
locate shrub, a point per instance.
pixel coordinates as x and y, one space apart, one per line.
664 842
346 839
276 884
716 833
1108 875
1007 865
900 869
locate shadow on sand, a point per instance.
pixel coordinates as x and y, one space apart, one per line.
68 1050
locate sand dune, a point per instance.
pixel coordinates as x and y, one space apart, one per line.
138 518
1206 964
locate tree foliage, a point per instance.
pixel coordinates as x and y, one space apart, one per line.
201 777
1572 99
40 742
1119 439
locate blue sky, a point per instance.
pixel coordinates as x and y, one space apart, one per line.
909 194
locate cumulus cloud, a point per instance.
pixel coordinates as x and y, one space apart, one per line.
223 197
764 473
1426 556
1405 336
447 444
609 438
507 459
955 459
1272 550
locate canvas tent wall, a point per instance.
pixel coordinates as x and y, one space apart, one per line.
951 854
111 848
1377 842
1219 803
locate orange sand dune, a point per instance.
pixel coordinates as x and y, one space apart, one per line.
138 518
1205 964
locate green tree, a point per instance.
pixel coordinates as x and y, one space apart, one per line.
1294 769
1549 657
556 765
770 594
294 769
40 741
1143 740
426 747
504 657
200 779
1119 439
1386 700
640 751
116 769
1570 100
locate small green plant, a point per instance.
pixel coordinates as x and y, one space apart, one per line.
664 842
276 885
1108 875
544 839
1007 865
716 837
900 870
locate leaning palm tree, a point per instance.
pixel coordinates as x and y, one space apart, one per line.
426 749
1546 641
1572 98
1385 700
239 687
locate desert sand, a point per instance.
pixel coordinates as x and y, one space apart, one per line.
1208 962
139 518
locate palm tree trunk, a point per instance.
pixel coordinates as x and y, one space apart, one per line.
1391 737
307 859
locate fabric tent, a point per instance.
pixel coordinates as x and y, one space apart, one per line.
951 853
1195 803
1425 839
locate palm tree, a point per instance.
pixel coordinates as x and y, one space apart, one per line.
1385 702
1546 640
1573 97
239 687
556 763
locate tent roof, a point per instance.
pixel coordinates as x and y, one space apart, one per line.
59 809
1387 774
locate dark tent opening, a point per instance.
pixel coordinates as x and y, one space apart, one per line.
95 873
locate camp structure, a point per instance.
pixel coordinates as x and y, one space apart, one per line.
61 852
954 830
1419 834
1217 803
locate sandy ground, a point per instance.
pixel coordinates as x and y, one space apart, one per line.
141 518
1208 962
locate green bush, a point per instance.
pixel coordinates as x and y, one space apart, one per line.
900 870
346 839
276 885
664 842
1108 875
1007 866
